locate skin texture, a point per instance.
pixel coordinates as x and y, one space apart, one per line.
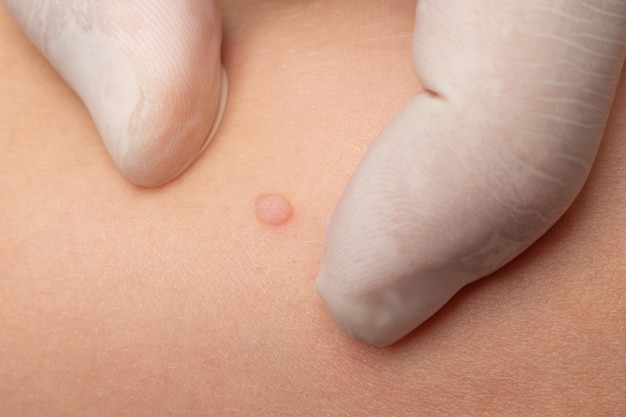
470 174
454 187
114 300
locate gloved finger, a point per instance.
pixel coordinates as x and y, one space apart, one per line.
148 71
478 166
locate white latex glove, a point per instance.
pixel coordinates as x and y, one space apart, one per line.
148 71
477 167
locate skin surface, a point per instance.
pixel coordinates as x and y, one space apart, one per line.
121 301
463 180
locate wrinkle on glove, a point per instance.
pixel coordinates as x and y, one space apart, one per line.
480 165
148 71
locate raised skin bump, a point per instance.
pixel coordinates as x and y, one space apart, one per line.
273 209
469 175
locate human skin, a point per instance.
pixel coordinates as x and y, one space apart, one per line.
465 178
116 300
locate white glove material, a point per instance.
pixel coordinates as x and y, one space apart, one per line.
477 167
148 71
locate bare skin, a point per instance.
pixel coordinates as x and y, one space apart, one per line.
466 177
114 301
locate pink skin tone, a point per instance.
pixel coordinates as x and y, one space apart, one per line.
469 174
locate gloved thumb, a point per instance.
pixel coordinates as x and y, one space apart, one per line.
148 71
478 166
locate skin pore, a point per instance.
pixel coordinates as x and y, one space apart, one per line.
117 300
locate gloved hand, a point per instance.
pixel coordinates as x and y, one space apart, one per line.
148 71
465 178
478 166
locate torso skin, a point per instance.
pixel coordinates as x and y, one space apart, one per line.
121 301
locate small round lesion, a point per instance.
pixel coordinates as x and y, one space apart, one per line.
273 209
